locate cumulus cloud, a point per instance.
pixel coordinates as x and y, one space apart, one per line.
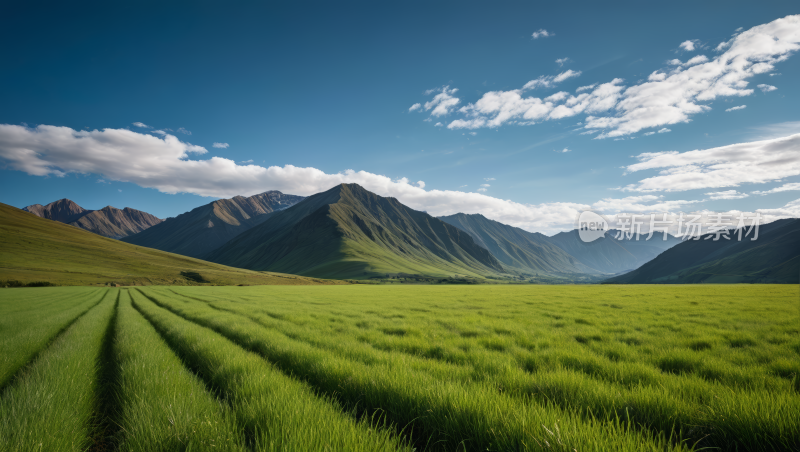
549 81
721 167
142 125
689 45
794 186
664 130
442 103
184 131
666 98
728 194
740 107
649 133
438 124
169 165
766 88
561 61
644 203
414 107
482 190
220 145
159 132
542 33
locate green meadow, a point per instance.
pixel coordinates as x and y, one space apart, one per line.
427 367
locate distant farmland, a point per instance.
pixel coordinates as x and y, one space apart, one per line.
400 368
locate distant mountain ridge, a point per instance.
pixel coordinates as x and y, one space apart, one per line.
108 221
349 232
201 230
516 248
773 258
610 255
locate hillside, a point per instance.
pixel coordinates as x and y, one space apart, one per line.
36 249
201 230
108 221
349 232
773 258
610 255
517 249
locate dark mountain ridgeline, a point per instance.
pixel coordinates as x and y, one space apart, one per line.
108 221
201 230
773 258
349 232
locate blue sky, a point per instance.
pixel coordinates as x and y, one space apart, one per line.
328 87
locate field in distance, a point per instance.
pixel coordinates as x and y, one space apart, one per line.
394 368
34 250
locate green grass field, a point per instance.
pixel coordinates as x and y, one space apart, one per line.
501 368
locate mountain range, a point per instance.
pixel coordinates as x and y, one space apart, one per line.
611 255
201 230
773 258
348 232
108 221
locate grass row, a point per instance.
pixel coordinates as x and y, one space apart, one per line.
746 414
53 406
30 323
161 406
471 415
274 411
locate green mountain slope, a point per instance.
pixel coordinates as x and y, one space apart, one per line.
108 221
773 258
36 249
349 232
611 255
201 230
517 249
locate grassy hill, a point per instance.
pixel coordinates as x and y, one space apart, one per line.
773 258
520 250
201 230
35 249
349 232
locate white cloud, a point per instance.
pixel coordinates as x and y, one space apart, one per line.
142 125
740 107
664 130
473 133
159 132
689 45
542 33
766 88
167 164
585 88
420 184
414 107
589 132
561 61
220 145
488 179
667 98
482 190
644 203
549 81
184 131
438 124
564 151
794 186
246 162
721 167
485 185
443 102
119 190
649 133
728 194
790 210
675 62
